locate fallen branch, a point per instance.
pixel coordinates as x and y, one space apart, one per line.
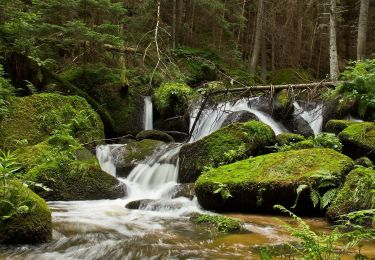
278 87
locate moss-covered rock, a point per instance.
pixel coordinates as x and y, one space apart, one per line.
289 138
219 223
226 145
34 118
257 184
359 140
336 126
64 166
154 135
364 161
29 218
129 155
239 116
356 193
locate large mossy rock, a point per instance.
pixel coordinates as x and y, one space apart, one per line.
69 170
257 184
356 194
336 126
154 135
33 118
359 140
131 154
239 116
226 145
29 218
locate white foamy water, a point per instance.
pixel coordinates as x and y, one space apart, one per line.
212 119
104 154
314 117
148 114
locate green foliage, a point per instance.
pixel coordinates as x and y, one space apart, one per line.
312 245
359 89
8 168
220 223
322 140
327 140
223 190
172 97
290 76
6 92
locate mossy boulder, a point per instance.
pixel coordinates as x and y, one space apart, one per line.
130 155
289 138
359 140
33 118
218 223
154 135
64 166
239 116
226 145
356 194
257 184
28 218
336 126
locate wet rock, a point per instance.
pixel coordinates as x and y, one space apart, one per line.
226 145
239 116
298 125
138 204
184 190
154 135
178 136
259 183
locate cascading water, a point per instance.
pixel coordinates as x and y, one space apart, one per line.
148 114
314 117
104 153
212 119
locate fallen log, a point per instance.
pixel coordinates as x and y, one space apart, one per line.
278 87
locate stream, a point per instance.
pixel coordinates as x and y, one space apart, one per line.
161 228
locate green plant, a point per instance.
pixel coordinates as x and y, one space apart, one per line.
8 167
223 190
327 140
234 155
221 223
6 92
327 183
313 245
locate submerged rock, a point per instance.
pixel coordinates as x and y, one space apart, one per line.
184 190
226 145
27 216
58 164
359 140
218 223
356 194
154 135
138 204
34 118
257 184
238 117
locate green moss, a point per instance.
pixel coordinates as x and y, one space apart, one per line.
138 151
283 98
355 195
220 223
364 161
361 133
36 117
226 145
58 164
172 98
155 135
336 126
289 76
322 140
32 224
288 138
269 179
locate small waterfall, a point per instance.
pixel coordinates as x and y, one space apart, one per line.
314 117
148 114
212 119
104 153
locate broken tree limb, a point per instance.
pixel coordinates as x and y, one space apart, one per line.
278 87
198 115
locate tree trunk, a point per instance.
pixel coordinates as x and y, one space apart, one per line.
264 56
174 18
258 37
333 60
362 30
179 20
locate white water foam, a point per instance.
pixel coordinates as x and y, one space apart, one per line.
148 114
314 117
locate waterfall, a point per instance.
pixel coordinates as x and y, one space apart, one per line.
314 117
148 114
104 153
212 119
